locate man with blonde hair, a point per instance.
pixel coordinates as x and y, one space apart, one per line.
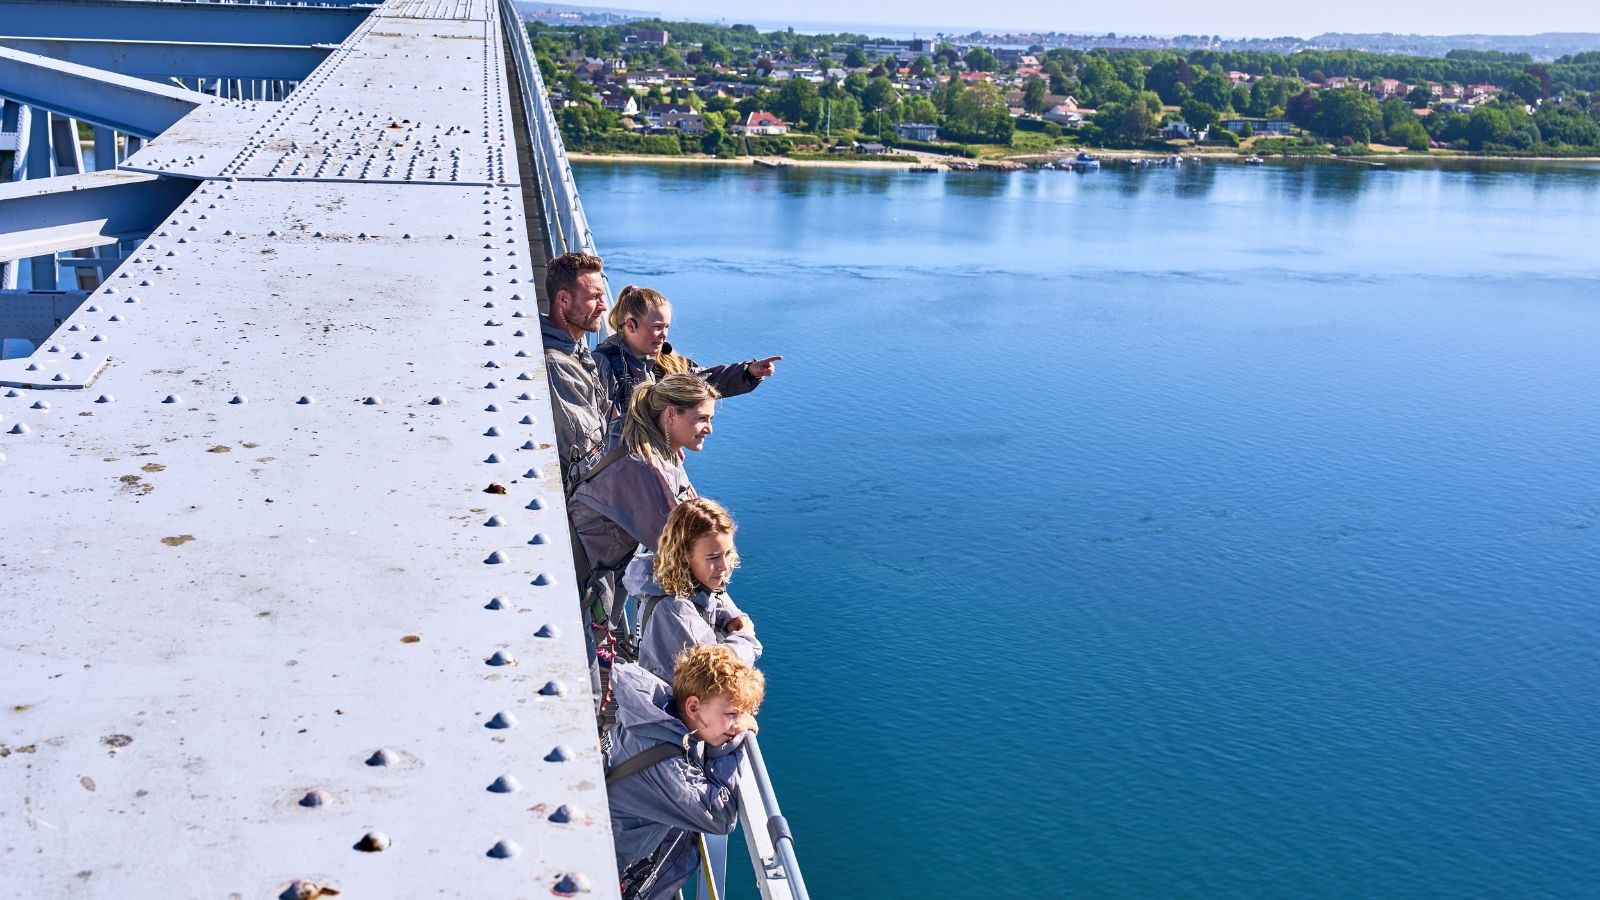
675 754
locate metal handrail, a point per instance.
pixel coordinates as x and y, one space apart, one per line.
777 825
568 231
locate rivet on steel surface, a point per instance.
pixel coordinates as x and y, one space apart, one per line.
96 339
20 428
572 883
373 401
383 756
238 400
77 354
494 522
105 398
505 784
539 539
504 849
306 400
501 658
565 814
436 401
559 753
553 689
40 404
501 720
492 458
541 579
373 842
493 431
495 603
495 558
172 398
316 797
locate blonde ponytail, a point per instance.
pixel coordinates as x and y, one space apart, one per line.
632 303
641 430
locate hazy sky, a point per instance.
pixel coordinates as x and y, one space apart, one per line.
1166 16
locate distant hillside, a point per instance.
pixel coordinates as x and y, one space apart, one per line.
1546 46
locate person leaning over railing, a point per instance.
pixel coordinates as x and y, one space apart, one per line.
638 353
682 589
624 499
674 763
576 287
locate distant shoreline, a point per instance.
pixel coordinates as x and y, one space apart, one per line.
856 163
739 161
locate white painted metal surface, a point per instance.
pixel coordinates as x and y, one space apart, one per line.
288 578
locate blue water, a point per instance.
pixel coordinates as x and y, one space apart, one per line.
1218 532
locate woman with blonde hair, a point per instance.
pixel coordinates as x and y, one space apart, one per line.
624 499
638 353
682 589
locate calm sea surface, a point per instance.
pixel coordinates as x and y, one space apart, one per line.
1218 532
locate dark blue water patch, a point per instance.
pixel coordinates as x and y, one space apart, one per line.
1230 536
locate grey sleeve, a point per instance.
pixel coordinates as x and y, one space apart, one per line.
576 415
683 796
744 645
672 627
730 380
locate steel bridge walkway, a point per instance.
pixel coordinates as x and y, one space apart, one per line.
287 590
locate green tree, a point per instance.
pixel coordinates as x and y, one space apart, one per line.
1240 98
1136 122
1214 91
1409 134
842 114
1527 86
1033 94
1260 101
981 60
920 109
1164 77
1059 83
1348 114
1567 125
1420 96
1199 114
1129 71
799 102
1114 92
1302 109
922 65
979 113
855 58
670 59
879 94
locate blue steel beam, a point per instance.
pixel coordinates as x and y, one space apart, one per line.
101 98
45 216
202 23
158 60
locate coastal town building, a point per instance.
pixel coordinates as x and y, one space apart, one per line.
761 122
649 36
1269 127
1064 114
917 131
